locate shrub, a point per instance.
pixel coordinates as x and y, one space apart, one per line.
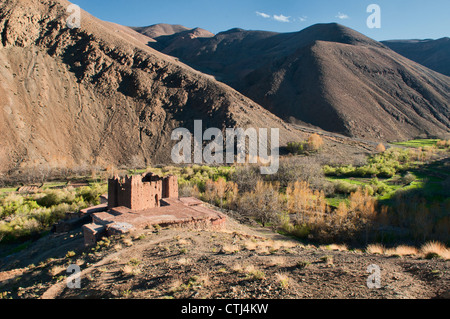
442 144
264 203
401 250
375 249
315 142
295 148
70 254
380 148
283 279
343 187
246 177
254 273
434 249
379 187
408 178
296 169
189 189
216 192
52 198
306 204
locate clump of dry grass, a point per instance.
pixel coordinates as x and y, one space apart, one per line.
184 242
127 269
80 262
277 261
283 279
254 273
251 245
130 270
401 250
184 261
204 280
429 250
375 249
435 249
328 260
269 246
237 267
230 249
176 285
128 242
263 250
335 247
56 270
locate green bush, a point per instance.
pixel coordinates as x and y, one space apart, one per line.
301 231
379 187
295 148
343 187
49 200
25 216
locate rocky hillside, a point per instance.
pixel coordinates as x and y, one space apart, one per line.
326 75
98 95
434 54
237 262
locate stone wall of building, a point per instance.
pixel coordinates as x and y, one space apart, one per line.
141 192
170 187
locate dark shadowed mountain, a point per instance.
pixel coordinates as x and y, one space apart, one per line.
327 75
434 54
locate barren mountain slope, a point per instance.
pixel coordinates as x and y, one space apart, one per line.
434 54
98 94
326 75
361 91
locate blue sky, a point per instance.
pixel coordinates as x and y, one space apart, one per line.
400 19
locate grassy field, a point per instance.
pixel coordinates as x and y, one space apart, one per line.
418 143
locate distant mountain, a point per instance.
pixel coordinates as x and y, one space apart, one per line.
160 33
434 54
161 29
327 75
98 95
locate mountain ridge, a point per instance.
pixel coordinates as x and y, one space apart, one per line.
434 54
241 57
98 95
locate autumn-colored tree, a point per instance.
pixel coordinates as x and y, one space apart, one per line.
380 148
305 203
363 210
315 142
217 191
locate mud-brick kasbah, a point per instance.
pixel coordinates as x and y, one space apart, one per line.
139 202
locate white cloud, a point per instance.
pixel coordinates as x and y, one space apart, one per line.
342 16
262 14
303 18
281 18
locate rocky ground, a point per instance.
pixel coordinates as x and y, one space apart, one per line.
240 261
